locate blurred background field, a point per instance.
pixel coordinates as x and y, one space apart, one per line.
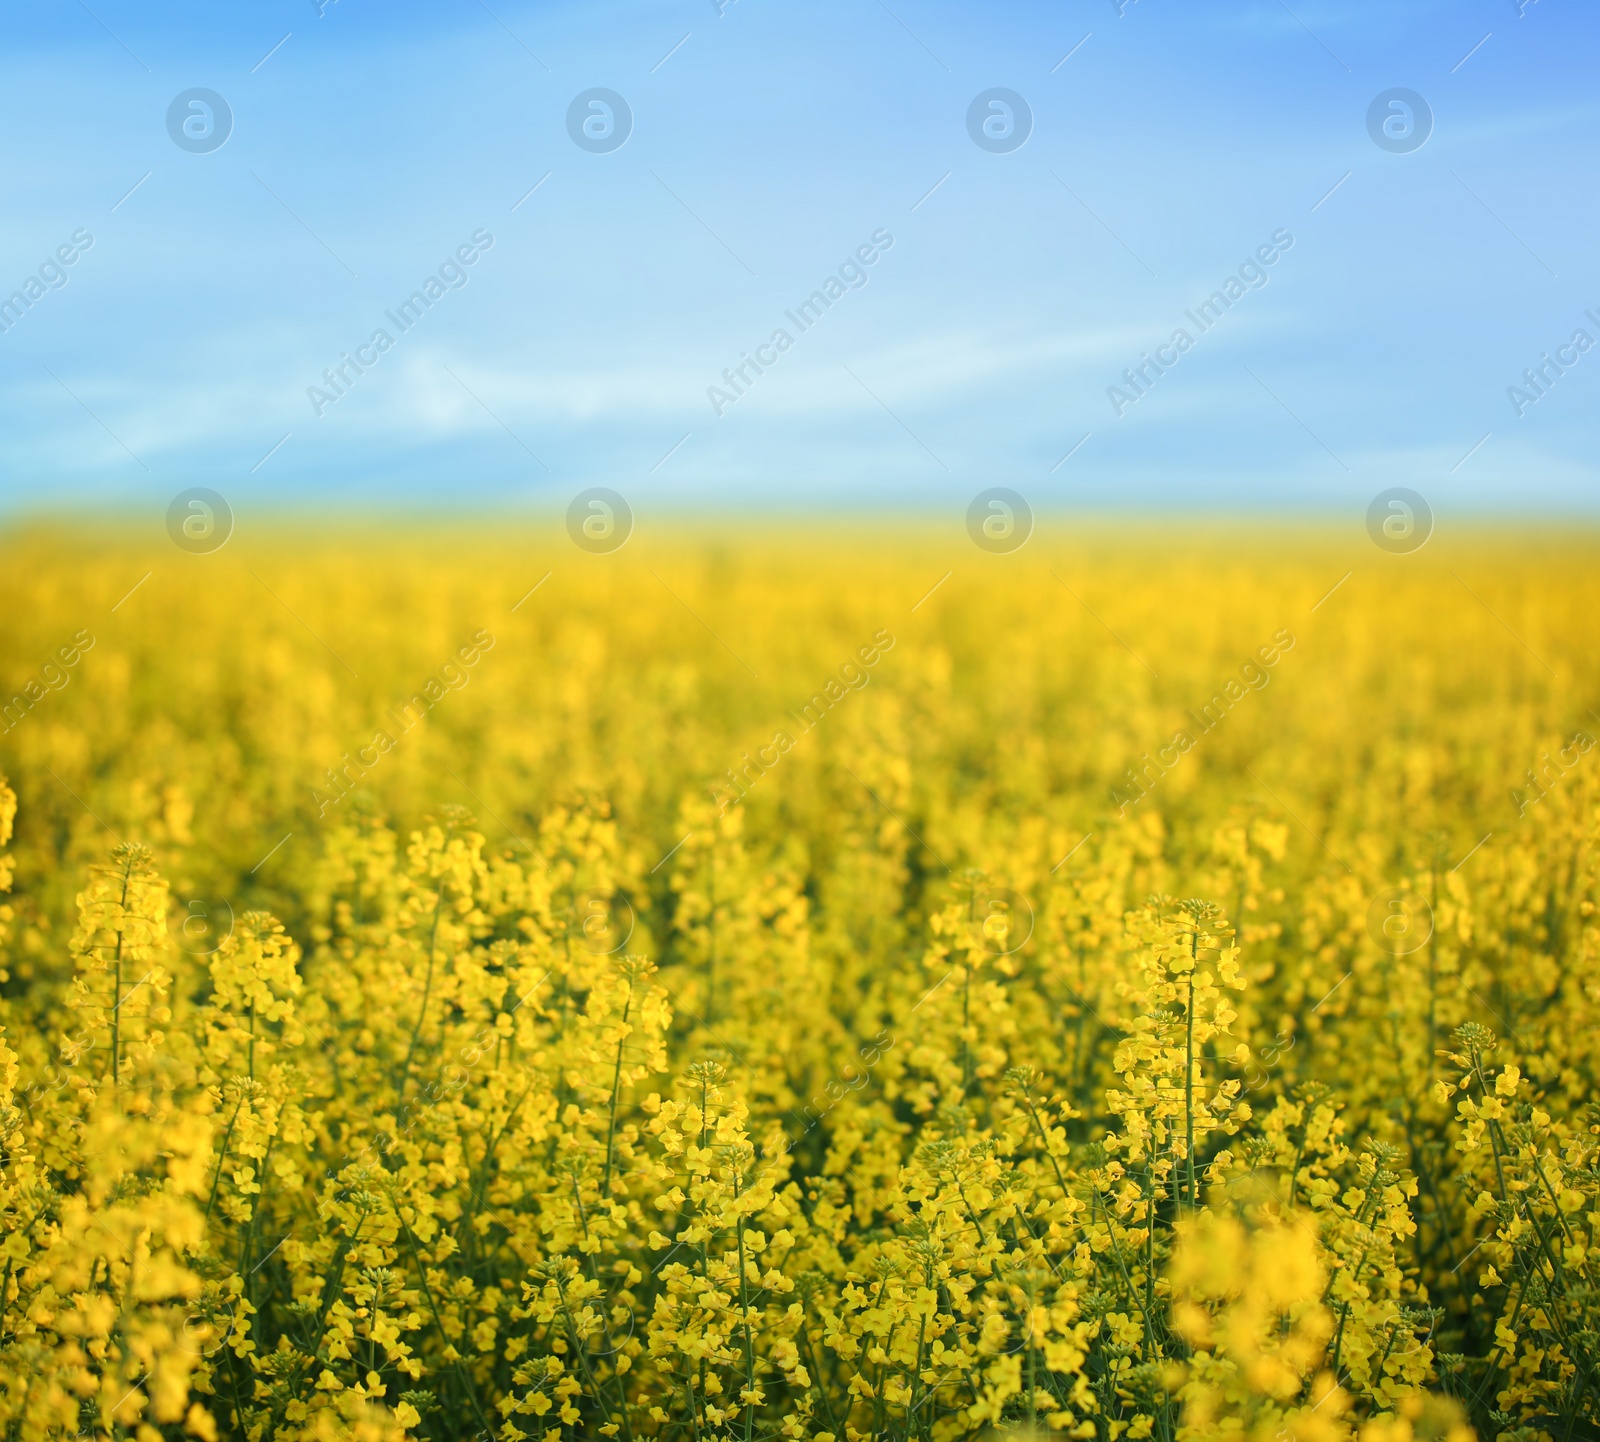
1018 692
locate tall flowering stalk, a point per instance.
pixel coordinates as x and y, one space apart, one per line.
119 990
1170 1101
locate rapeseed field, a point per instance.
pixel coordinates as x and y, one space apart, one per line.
824 983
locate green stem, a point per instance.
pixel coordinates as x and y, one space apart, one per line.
616 1084
222 1157
427 989
1188 1067
744 1309
427 1291
116 993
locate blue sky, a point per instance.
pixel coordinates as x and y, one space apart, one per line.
769 141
